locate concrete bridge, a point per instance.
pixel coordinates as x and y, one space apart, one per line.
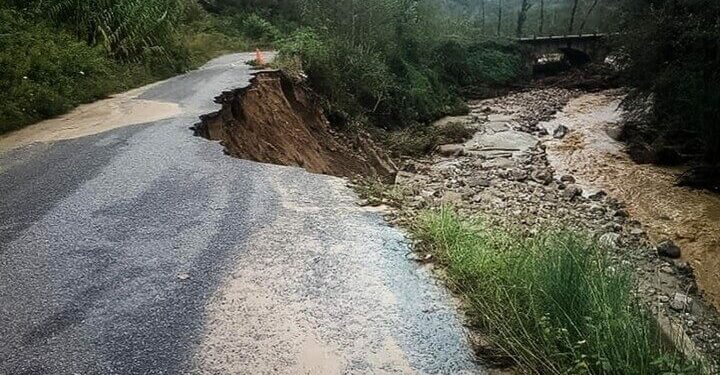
577 49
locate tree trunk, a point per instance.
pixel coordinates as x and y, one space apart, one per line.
499 17
522 16
482 5
572 16
542 17
592 7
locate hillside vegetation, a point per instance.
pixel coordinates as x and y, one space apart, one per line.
58 54
394 62
672 60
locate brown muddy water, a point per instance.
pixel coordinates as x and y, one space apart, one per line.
689 217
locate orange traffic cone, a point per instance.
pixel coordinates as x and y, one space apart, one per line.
259 60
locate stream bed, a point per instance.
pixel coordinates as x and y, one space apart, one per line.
589 152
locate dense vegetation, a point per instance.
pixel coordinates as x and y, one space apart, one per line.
672 59
58 54
388 62
394 62
553 302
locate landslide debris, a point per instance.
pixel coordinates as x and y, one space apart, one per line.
280 121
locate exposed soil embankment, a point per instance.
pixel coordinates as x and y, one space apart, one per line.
276 120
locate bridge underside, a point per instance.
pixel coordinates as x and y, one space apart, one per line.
577 49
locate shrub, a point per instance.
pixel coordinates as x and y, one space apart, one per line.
420 140
259 29
386 60
552 302
488 63
45 72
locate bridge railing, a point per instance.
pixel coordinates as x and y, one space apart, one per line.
565 37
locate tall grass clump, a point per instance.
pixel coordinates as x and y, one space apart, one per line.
551 302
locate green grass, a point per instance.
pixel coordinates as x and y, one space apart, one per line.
553 303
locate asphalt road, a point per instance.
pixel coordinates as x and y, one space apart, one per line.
145 250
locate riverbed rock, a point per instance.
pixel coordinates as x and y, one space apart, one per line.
560 132
449 150
541 176
571 192
667 248
621 213
614 131
597 195
475 182
507 141
498 163
496 126
680 302
568 179
518 175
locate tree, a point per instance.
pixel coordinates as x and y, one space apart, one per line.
572 16
525 5
587 15
499 25
542 17
672 59
482 5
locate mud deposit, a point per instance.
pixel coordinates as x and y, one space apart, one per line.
278 121
691 218
120 110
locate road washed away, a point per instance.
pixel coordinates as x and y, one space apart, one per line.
145 250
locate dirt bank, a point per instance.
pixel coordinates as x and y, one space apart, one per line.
276 120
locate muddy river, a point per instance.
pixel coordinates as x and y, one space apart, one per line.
689 217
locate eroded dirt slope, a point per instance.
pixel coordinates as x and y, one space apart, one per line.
275 120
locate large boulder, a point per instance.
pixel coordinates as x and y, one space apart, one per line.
668 249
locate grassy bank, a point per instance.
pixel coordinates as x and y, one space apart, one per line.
57 55
553 303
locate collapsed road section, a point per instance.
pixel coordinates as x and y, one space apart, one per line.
277 120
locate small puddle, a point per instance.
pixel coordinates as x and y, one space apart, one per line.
689 217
